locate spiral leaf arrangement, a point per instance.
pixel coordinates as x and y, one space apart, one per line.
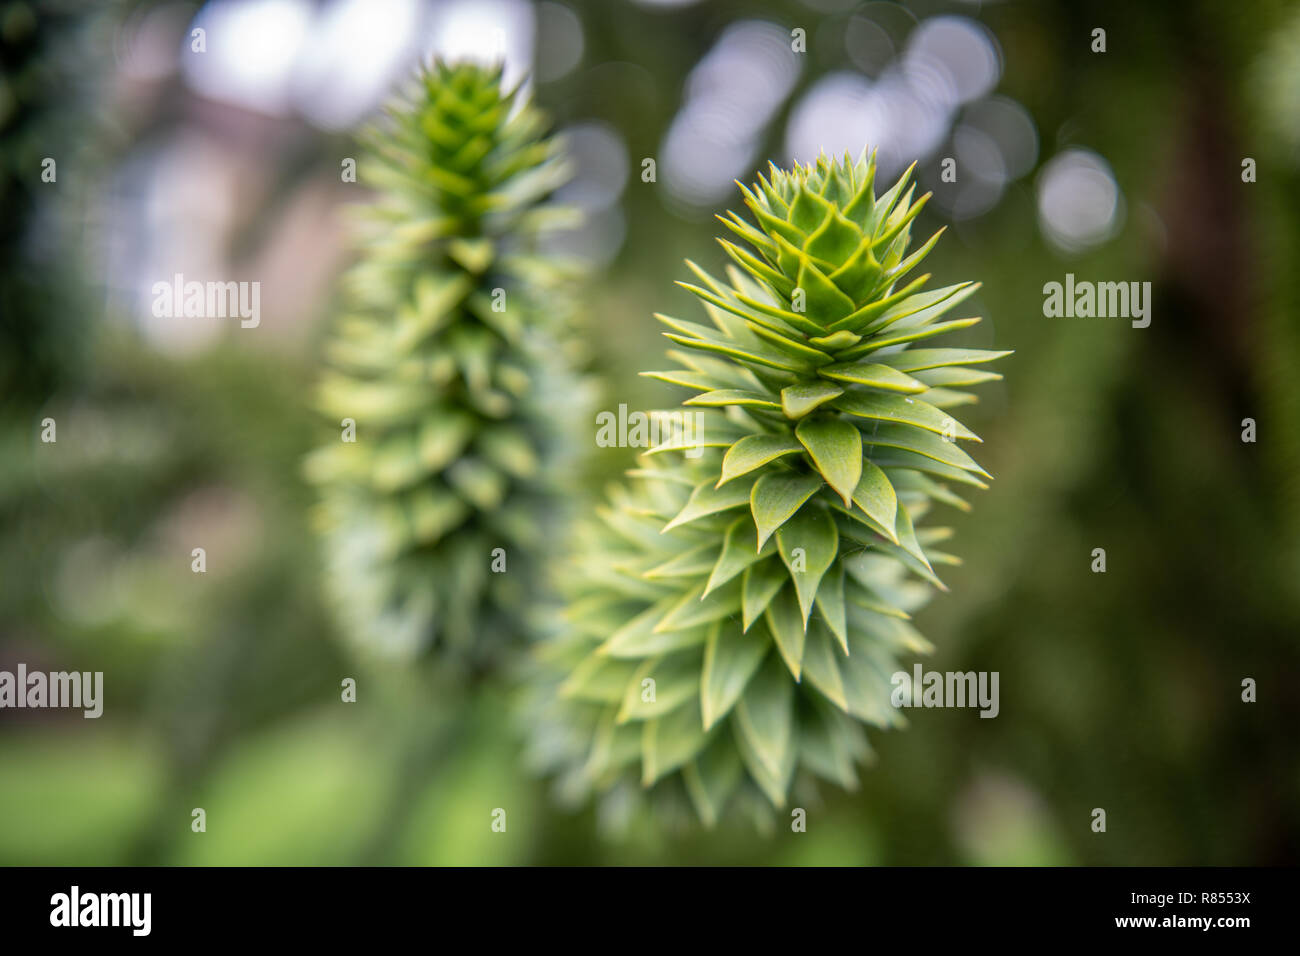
738 611
450 357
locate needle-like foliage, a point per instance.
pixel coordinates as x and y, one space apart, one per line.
450 358
737 616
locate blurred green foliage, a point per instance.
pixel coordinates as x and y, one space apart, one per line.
1119 690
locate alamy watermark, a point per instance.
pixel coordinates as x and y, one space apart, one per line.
953 689
208 300
58 689
624 429
75 908
1102 300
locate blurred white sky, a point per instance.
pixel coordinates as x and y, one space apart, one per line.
334 64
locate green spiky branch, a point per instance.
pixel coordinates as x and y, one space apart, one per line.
451 356
766 587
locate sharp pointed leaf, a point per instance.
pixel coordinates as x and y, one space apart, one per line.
711 778
927 444
830 602
788 630
808 544
668 742
737 554
835 446
873 376
798 400
775 497
916 360
754 451
766 717
675 677
730 660
821 665
901 410
758 586
875 495
707 499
